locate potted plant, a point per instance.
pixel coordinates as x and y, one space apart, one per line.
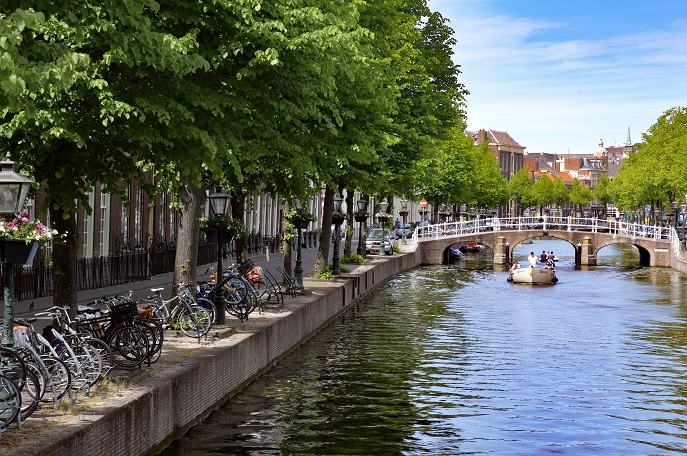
338 217
227 227
300 218
21 237
360 215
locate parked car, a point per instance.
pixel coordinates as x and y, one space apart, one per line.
408 231
373 241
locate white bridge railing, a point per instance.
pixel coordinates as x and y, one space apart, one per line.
592 225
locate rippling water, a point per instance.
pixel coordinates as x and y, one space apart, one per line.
455 360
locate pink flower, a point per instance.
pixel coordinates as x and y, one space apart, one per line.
11 226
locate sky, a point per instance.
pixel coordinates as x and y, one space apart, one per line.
560 75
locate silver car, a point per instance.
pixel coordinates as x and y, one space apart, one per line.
373 241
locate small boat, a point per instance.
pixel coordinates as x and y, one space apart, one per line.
533 275
471 247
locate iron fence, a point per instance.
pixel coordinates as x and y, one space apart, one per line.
128 265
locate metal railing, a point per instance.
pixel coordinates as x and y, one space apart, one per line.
592 225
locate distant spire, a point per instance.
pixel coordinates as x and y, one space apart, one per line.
629 141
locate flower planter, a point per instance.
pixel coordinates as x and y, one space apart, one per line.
360 218
300 224
225 237
338 220
17 251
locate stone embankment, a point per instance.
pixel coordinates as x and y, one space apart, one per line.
140 412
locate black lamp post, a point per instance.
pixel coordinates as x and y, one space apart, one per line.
382 208
676 208
507 253
362 207
219 202
13 191
336 264
298 271
404 213
683 209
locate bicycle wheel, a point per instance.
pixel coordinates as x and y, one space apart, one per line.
193 321
30 395
233 290
156 352
262 290
129 346
244 308
105 354
58 377
10 401
209 306
153 345
12 366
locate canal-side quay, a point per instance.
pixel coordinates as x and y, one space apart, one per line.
141 411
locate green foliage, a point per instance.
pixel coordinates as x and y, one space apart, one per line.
300 215
355 258
520 188
326 274
21 228
233 226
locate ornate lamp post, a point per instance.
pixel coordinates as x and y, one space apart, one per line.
337 220
683 209
404 213
362 207
298 271
13 191
382 208
219 202
676 209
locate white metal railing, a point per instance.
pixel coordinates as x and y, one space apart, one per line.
592 225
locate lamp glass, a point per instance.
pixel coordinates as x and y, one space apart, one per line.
675 204
362 205
338 202
219 201
14 188
383 205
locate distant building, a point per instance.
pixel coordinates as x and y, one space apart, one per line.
509 153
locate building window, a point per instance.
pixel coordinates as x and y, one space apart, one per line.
87 229
104 246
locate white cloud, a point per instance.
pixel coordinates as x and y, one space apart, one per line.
552 94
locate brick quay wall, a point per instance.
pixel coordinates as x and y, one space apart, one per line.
191 380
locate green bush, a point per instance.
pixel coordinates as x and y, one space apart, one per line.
327 273
355 259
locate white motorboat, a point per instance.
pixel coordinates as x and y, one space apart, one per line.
533 275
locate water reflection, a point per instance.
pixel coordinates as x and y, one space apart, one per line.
455 360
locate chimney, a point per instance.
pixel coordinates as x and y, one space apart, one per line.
481 137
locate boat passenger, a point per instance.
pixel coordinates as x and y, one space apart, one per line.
543 257
549 264
532 260
551 256
515 266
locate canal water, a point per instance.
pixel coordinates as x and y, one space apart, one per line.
455 360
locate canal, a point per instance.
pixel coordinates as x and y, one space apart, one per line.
456 360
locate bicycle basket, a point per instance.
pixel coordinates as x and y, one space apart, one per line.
245 267
124 311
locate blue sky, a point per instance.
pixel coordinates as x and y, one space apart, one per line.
560 75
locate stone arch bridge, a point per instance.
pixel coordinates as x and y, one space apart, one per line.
587 236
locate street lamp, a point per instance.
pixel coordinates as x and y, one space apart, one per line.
404 213
362 207
336 265
219 202
382 209
683 209
13 191
298 271
676 208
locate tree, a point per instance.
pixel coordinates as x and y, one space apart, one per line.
580 195
601 192
520 188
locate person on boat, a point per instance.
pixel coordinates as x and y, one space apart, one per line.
515 266
543 257
551 256
532 260
549 264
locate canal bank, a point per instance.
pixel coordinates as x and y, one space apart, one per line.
157 404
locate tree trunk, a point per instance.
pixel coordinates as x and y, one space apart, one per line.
65 254
238 203
348 244
191 200
326 236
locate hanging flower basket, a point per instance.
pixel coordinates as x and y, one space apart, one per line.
225 236
17 251
300 218
403 213
300 224
338 217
